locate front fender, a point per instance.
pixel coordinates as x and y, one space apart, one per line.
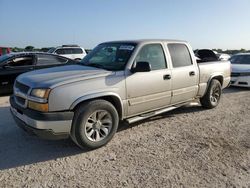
99 95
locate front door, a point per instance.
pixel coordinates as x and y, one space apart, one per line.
12 69
147 91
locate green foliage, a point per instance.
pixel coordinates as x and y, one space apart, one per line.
16 49
45 49
29 48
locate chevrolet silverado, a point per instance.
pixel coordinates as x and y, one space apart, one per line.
117 81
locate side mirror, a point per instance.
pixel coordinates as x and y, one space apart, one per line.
141 66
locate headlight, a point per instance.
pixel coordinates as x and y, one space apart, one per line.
38 100
40 93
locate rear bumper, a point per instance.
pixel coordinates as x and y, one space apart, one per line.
241 81
54 125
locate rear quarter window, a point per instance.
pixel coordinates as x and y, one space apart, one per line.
180 55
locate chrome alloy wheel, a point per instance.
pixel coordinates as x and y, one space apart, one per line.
215 94
98 125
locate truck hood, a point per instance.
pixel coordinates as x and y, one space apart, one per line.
240 68
53 77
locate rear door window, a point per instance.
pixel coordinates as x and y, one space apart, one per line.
180 55
60 51
44 59
77 51
68 51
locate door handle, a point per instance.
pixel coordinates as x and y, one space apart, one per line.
167 77
192 73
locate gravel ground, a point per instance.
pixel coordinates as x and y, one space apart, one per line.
188 147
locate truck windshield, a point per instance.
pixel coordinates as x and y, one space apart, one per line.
109 56
240 59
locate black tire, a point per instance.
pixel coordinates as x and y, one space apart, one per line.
212 97
81 132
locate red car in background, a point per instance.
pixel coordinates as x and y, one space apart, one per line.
4 50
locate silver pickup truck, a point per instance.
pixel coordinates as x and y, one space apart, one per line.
121 80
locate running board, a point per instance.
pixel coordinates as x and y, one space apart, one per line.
150 114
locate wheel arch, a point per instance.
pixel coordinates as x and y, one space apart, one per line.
113 98
218 77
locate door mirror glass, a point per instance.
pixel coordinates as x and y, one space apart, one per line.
142 66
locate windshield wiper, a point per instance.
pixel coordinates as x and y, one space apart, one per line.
95 65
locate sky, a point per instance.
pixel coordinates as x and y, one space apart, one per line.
221 24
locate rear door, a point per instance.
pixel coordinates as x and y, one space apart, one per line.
77 53
185 73
66 52
147 91
14 67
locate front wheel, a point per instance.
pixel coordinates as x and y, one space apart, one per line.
212 97
95 123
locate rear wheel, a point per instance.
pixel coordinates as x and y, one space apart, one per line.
94 124
212 97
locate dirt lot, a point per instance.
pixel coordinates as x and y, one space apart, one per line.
188 147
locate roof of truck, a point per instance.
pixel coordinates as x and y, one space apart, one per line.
146 40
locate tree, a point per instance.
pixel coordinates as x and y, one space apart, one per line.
242 50
29 48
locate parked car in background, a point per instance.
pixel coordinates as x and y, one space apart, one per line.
70 51
205 55
4 50
120 80
223 57
13 64
240 75
88 50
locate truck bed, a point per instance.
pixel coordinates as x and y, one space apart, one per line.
208 69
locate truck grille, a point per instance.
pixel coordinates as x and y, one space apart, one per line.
21 87
20 100
237 74
20 94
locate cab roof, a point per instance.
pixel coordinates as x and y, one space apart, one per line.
147 40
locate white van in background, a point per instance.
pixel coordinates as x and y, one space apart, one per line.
70 51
